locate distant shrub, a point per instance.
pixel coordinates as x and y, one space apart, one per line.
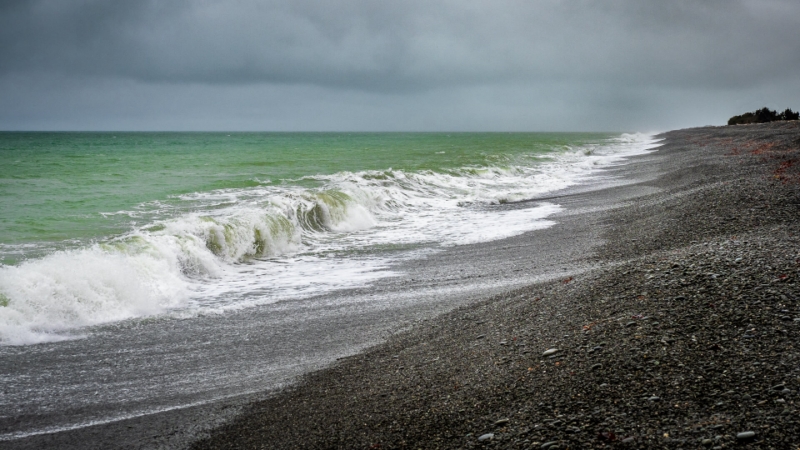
763 115
790 115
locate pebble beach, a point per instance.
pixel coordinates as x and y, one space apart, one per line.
679 329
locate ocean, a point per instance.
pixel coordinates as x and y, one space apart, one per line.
153 274
107 227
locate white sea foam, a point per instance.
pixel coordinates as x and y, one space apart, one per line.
243 247
86 287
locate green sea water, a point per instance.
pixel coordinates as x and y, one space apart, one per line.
66 187
105 227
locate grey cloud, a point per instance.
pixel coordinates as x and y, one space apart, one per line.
393 65
411 45
47 102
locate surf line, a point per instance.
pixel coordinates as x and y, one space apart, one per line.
120 418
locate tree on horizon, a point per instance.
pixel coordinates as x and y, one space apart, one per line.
763 115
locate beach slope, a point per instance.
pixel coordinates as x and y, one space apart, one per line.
681 333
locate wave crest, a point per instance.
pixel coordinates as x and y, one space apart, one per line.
169 262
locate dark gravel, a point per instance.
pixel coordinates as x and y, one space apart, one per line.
685 336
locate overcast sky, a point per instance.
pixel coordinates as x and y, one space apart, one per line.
417 65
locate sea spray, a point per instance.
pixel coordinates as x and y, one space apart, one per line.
85 287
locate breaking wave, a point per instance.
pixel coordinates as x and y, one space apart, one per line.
239 247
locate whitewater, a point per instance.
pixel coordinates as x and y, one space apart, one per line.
212 251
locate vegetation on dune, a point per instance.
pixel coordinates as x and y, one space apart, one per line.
763 115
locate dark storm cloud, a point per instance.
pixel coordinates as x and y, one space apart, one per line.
621 58
387 46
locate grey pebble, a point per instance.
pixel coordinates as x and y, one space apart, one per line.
549 444
501 422
745 435
486 437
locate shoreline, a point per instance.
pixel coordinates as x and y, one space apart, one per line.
351 320
450 372
682 336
